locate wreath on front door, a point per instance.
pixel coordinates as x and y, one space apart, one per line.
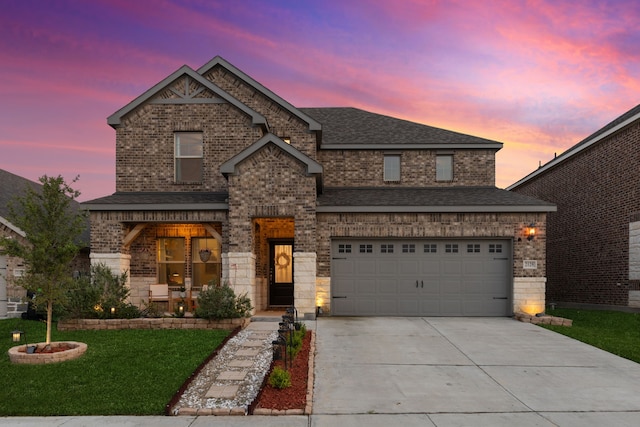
283 260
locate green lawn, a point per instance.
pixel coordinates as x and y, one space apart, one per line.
123 372
612 331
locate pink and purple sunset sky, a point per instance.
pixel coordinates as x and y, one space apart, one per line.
537 75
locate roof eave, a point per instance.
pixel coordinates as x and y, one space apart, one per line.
434 146
573 151
103 207
437 209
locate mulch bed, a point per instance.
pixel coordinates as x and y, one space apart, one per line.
294 397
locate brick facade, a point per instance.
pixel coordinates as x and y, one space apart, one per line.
596 193
358 168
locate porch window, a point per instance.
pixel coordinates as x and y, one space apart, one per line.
204 272
188 156
171 261
392 168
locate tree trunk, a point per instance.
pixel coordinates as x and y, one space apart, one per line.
49 317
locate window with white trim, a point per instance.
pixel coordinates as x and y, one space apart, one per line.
188 156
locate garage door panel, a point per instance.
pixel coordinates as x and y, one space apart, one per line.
409 266
430 267
450 286
422 278
344 267
364 287
387 286
451 267
365 267
386 267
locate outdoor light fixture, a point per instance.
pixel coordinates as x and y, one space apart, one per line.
113 311
16 336
531 231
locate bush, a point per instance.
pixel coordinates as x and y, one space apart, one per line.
221 302
279 378
95 296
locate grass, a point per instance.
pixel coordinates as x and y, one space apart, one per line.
134 372
612 331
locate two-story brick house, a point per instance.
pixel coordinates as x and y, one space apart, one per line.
593 253
339 208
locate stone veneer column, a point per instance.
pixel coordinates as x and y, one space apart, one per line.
529 295
239 271
118 263
304 284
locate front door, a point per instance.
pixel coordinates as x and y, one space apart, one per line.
281 273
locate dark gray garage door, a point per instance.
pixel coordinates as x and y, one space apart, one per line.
421 277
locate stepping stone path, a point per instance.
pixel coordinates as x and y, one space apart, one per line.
229 383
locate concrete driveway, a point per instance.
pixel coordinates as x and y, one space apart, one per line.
466 372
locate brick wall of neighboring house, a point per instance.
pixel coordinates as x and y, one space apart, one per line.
145 144
281 122
596 192
356 168
271 183
437 225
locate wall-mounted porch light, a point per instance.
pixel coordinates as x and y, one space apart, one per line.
531 231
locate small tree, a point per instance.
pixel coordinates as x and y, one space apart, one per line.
52 228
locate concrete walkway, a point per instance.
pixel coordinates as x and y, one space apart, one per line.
441 372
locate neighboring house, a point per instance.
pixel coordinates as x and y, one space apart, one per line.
593 240
13 298
340 209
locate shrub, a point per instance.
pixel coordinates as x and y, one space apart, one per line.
221 302
93 297
279 378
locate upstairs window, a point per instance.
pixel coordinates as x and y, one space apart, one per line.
444 167
188 157
392 168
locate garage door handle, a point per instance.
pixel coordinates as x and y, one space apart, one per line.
502 259
422 283
500 298
416 283
338 297
338 258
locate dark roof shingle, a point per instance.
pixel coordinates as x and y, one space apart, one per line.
352 126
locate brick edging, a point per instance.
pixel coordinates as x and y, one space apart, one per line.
543 320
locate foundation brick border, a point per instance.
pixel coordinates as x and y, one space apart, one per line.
151 323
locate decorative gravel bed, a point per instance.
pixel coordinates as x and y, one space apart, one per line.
194 399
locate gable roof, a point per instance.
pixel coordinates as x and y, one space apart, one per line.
297 112
428 199
616 125
229 167
116 118
12 186
345 128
